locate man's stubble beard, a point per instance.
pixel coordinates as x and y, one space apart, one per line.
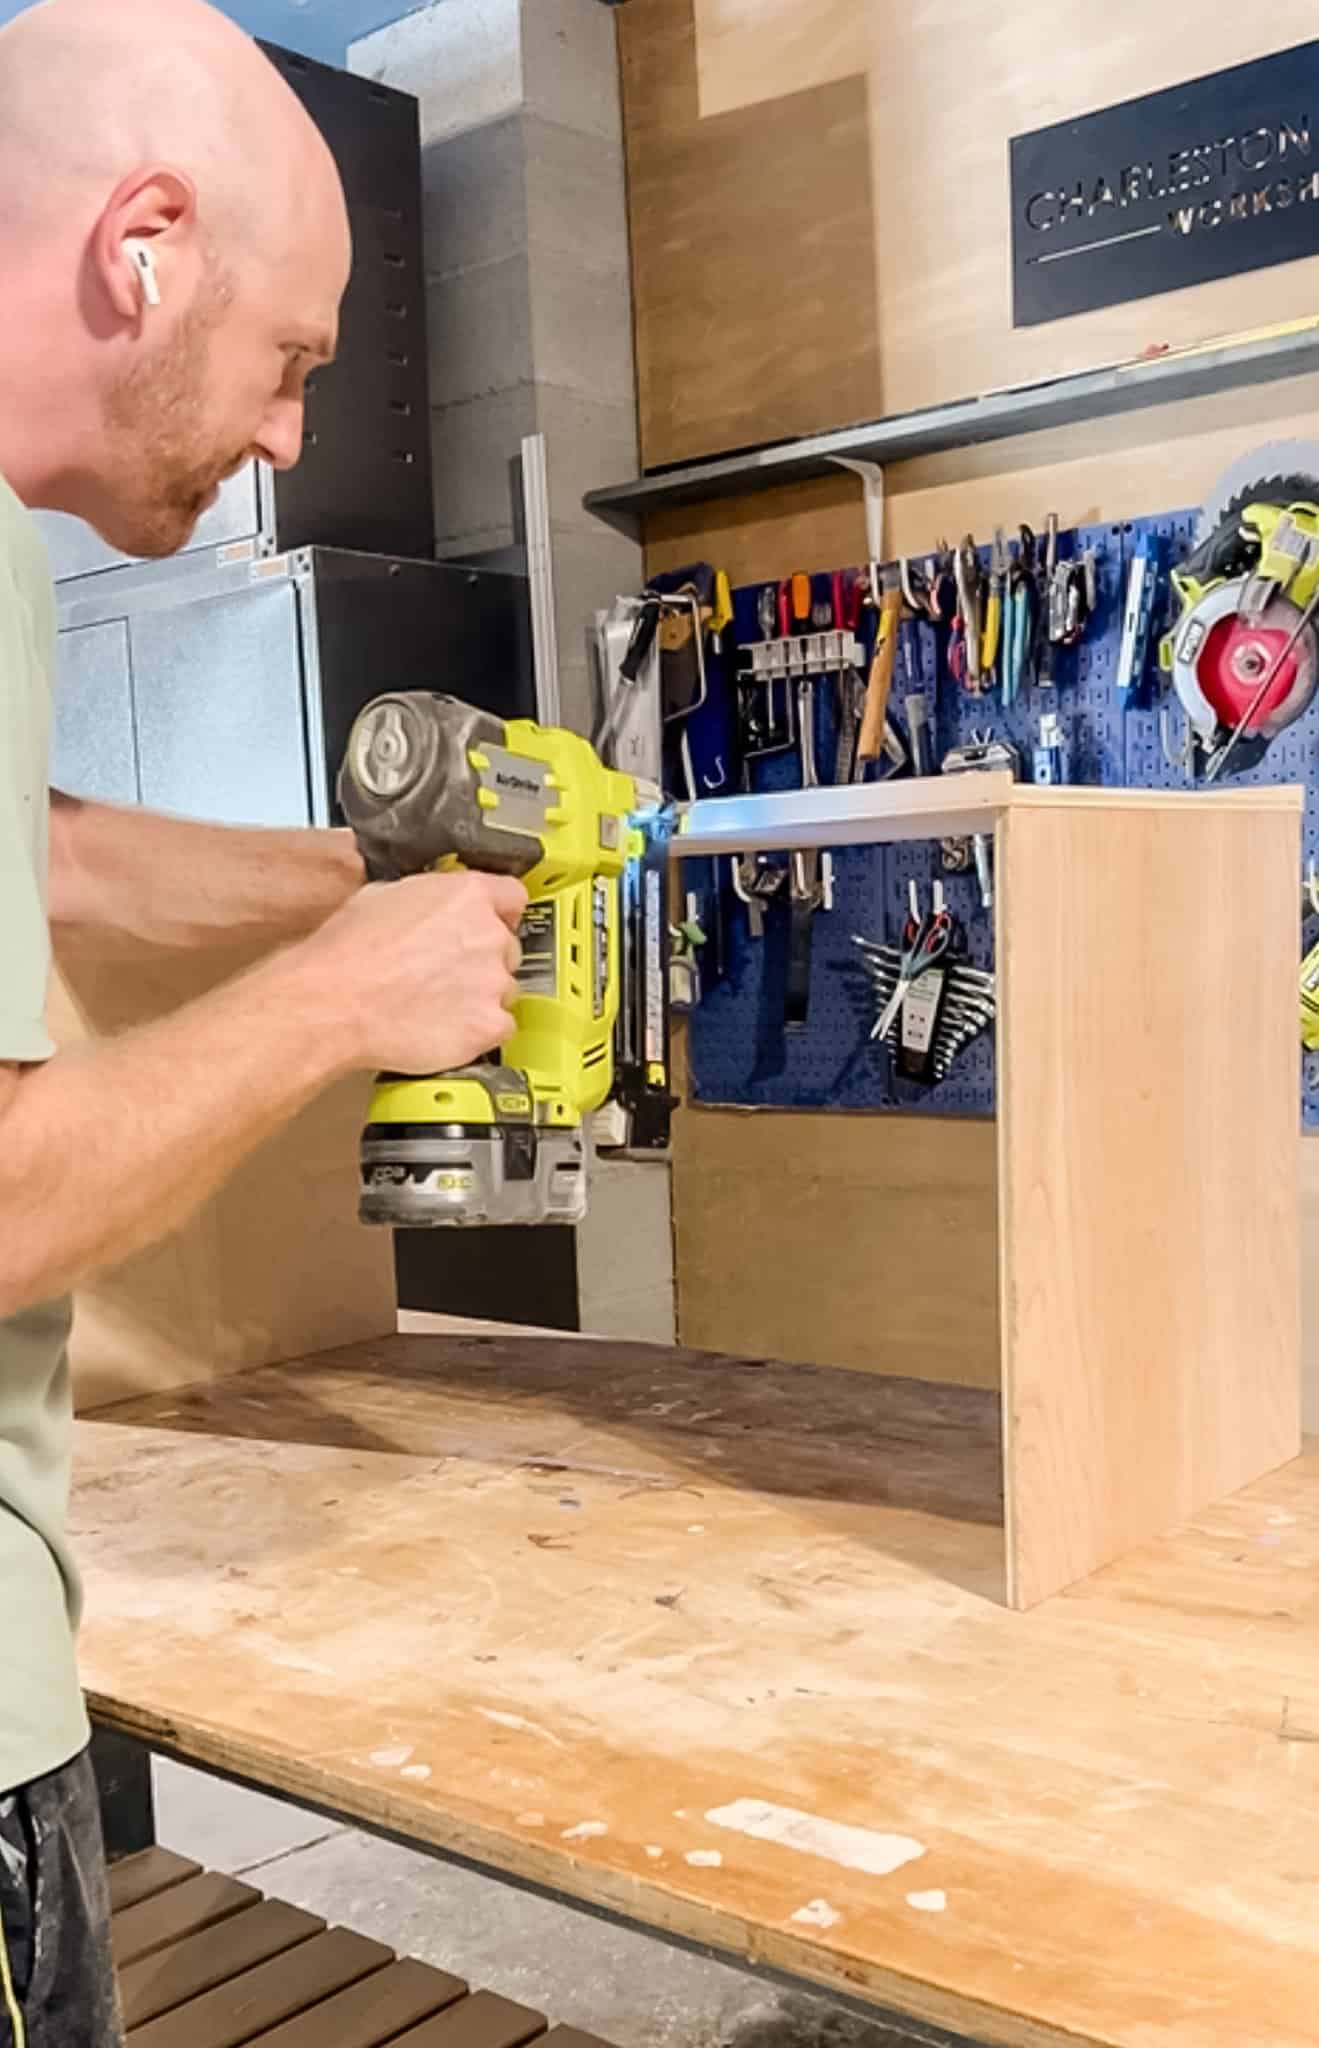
162 462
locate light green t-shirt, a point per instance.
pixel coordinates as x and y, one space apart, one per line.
42 1719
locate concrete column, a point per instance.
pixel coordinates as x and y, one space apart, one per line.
530 313
529 295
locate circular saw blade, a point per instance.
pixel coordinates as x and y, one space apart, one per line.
1225 659
1277 472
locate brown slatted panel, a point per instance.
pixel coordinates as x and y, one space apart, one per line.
141 1877
201 1901
248 2006
372 2012
193 1965
481 2021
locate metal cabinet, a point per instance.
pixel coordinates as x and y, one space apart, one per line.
220 697
94 737
229 694
242 512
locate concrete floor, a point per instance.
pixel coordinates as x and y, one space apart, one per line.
636 1992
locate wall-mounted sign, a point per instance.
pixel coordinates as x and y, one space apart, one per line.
1201 181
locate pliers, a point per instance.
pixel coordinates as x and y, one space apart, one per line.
1019 617
991 632
964 663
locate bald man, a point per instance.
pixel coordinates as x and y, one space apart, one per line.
174 246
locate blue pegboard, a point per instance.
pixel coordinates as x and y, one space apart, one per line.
739 1052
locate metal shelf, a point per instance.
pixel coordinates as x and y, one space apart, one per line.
922 807
858 814
1225 364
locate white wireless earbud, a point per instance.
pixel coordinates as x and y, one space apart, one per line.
144 263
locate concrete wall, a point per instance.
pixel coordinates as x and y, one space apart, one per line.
530 312
529 296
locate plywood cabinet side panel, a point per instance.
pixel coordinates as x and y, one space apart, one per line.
1148 1172
1310 1281
276 1263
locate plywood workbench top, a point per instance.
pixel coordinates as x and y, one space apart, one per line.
715 1644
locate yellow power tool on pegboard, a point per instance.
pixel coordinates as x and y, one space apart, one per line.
1310 999
1309 982
1243 655
429 782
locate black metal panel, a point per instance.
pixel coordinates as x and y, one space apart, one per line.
398 625
365 476
514 1274
122 1766
229 694
1202 180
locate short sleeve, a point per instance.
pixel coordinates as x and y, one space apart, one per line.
27 642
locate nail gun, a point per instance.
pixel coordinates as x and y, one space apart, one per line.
429 782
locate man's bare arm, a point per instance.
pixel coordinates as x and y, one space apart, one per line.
121 879
110 1145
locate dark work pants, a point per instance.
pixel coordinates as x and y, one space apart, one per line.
57 1985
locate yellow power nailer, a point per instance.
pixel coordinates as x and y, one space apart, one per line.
429 782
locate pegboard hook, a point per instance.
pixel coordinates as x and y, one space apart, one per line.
872 480
1312 886
1180 758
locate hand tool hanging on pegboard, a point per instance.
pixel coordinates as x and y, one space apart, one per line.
810 872
627 736
1243 655
851 598
1021 610
991 637
964 664
1050 607
980 754
1069 598
766 726
701 754
879 683
848 590
930 1001
1149 561
925 940
669 719
654 677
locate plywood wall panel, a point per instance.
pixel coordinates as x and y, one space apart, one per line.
752 251
857 157
274 1266
867 1242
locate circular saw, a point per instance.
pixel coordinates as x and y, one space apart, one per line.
1243 655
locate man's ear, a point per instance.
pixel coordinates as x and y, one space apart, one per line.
154 208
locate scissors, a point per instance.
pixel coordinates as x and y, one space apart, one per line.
925 940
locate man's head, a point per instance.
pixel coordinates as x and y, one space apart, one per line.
156 138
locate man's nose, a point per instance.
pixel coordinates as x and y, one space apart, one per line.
279 439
